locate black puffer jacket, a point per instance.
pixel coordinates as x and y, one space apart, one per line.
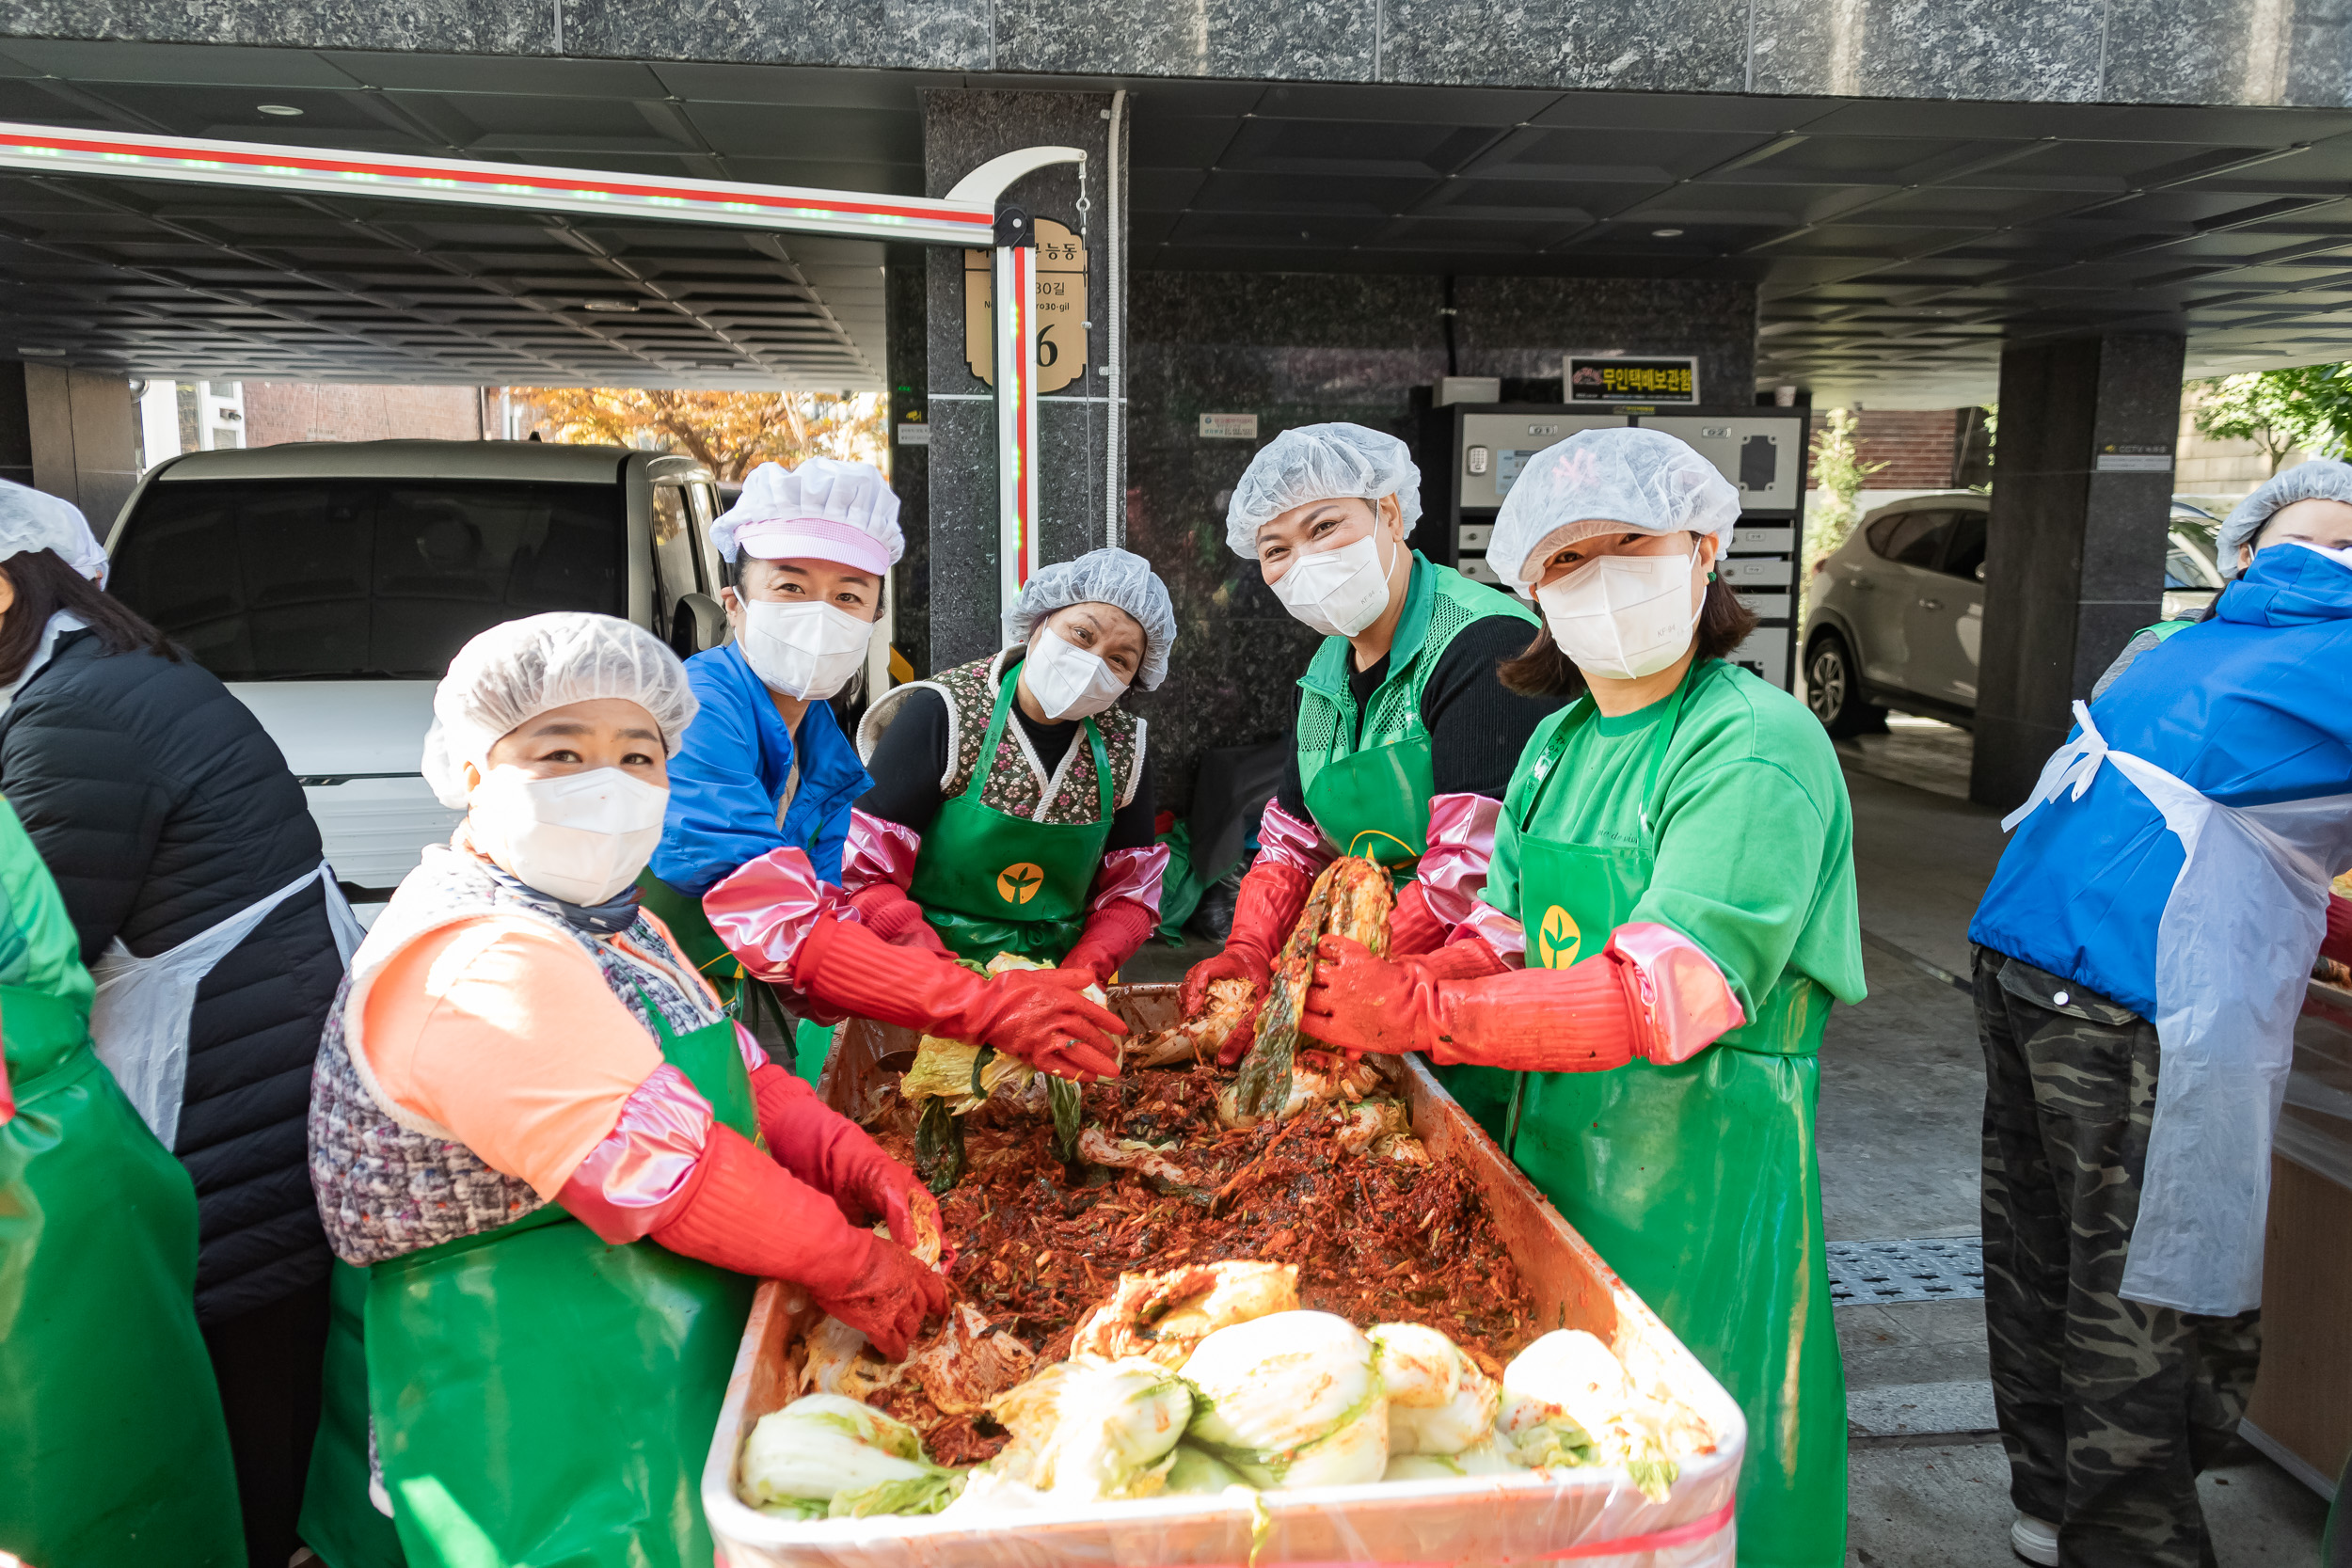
162 808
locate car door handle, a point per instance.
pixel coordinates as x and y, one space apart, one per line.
1930 604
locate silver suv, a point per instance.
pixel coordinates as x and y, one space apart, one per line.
328 583
1898 613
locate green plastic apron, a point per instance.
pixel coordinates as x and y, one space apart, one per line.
113 1452
744 997
1375 802
1697 1182
542 1397
992 882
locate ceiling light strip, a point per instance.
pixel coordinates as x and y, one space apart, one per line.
255 166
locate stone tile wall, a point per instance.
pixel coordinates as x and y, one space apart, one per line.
2210 51
1302 348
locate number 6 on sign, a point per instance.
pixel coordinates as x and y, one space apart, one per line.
1061 310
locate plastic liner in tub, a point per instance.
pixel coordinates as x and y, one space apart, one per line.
1588 1516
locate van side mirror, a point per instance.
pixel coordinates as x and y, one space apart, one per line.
697 625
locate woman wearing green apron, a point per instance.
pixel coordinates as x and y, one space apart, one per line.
804 552
1402 739
1677 857
113 1453
552 1164
1012 810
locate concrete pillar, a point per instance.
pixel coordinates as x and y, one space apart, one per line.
71 433
2082 483
961 130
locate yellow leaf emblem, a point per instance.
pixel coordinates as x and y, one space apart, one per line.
1018 882
1558 939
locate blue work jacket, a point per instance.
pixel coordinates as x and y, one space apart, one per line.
2247 708
725 781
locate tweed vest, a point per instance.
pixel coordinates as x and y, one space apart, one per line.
390 1183
1017 782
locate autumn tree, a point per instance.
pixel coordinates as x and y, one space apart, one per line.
728 433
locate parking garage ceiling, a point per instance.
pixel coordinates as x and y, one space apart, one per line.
1894 244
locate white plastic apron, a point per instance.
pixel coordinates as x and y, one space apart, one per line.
139 1022
2234 953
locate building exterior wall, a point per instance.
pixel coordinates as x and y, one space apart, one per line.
279 411
2222 471
2219 52
1916 446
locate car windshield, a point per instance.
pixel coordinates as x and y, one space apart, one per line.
358 579
2189 562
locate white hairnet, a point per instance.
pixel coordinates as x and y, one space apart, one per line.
2322 479
1644 481
1320 462
36 520
824 509
520 668
1111 577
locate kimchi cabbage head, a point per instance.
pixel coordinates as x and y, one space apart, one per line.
1290 1400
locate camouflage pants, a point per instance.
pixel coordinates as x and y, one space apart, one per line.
2108 1408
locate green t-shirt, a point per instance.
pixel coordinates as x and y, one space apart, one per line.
1753 835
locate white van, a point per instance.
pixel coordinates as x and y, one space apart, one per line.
328 583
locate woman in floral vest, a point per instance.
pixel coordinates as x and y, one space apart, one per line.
1014 810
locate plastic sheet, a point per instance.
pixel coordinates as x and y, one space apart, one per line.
139 1021
1592 1516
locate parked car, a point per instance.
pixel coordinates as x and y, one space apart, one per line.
1898 613
328 583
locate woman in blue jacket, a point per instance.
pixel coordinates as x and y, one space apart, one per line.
2141 954
764 766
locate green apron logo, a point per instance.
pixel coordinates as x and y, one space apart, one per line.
1018 882
1557 939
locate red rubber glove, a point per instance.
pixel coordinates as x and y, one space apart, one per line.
1414 928
890 914
832 1154
1581 1018
1272 893
1032 1014
2337 944
743 1212
1110 939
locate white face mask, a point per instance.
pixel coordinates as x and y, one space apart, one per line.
1623 616
1338 592
582 837
1067 681
802 648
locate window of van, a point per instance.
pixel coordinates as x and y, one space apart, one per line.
355 579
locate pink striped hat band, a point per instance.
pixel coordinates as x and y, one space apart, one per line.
813 538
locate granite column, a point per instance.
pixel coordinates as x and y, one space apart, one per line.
1080 503
2074 549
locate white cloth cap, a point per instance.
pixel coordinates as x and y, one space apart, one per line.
37 520
2321 479
520 668
1111 577
1643 481
824 509
1320 462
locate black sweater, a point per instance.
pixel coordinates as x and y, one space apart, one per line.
162 808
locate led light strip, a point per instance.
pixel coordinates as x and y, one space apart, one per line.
1015 311
45 148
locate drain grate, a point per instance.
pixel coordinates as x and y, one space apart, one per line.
1942 1268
